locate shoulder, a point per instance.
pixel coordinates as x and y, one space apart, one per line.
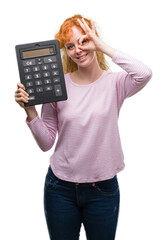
110 74
114 77
66 77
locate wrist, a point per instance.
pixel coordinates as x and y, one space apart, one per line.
31 113
106 49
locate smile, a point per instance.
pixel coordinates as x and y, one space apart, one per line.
82 57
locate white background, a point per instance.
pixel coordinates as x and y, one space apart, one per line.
135 27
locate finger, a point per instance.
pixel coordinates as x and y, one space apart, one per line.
20 85
21 98
20 103
83 48
20 90
82 38
86 25
93 26
82 25
20 94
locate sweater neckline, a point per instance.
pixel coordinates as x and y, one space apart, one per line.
86 85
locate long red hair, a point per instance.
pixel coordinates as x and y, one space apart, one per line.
64 36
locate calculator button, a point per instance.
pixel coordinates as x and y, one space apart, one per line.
37 75
45 67
27 70
55 72
39 82
30 90
50 59
39 61
54 65
46 81
58 90
28 77
29 84
31 98
28 62
36 69
48 88
39 89
56 79
46 74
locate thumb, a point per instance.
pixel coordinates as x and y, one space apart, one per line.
83 48
83 42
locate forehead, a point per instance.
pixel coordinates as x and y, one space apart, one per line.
75 34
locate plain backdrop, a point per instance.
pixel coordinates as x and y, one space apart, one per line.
135 27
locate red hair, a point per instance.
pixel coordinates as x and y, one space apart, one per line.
64 35
65 32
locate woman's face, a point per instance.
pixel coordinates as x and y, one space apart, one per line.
80 57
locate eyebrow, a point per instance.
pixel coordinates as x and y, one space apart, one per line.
69 43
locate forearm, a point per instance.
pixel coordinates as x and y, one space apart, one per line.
31 113
44 129
137 69
106 49
42 134
134 77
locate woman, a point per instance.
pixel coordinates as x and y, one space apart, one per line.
81 184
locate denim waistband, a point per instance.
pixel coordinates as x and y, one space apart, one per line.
76 183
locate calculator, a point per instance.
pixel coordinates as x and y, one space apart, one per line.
41 72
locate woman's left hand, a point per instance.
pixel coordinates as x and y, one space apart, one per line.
92 42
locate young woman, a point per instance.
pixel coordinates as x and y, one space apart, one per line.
81 184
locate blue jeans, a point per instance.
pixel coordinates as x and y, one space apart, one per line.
67 205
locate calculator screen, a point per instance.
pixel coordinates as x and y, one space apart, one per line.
38 52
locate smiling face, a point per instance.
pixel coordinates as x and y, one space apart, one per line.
80 57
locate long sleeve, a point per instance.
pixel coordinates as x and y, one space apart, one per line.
44 129
133 79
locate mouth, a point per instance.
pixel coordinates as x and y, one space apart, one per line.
82 57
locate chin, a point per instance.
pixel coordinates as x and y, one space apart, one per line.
88 61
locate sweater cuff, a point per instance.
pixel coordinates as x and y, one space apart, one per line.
115 55
29 123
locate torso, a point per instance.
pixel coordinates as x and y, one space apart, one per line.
76 80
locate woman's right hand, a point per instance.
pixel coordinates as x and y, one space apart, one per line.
21 96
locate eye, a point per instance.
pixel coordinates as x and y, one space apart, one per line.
84 41
70 47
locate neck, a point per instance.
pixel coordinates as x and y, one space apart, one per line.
90 73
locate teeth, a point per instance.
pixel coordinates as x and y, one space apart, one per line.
82 56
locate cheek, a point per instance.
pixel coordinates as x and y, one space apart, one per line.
92 55
70 54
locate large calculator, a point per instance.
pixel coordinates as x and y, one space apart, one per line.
41 72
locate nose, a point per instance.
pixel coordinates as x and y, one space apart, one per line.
78 50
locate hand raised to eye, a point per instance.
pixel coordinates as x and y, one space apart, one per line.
89 41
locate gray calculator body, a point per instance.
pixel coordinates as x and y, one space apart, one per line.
41 72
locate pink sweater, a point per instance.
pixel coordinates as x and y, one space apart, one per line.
88 147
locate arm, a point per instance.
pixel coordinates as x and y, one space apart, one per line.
138 73
44 129
133 79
